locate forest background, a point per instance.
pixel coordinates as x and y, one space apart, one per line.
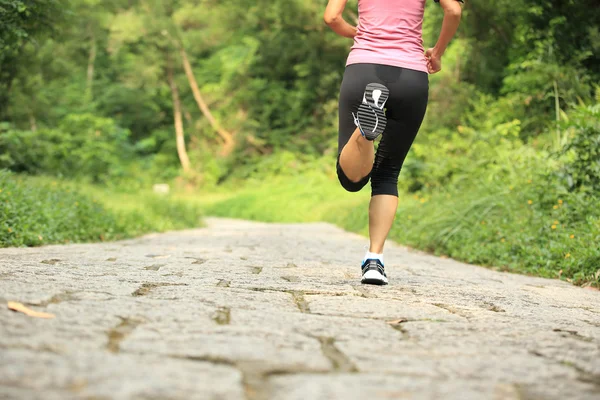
234 104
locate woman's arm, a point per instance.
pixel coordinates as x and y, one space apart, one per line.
452 15
333 18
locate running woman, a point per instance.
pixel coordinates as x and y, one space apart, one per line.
384 93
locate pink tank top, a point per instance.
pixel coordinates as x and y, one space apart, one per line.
390 32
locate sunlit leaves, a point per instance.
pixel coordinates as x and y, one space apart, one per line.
126 27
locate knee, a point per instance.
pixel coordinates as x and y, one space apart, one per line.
348 184
353 187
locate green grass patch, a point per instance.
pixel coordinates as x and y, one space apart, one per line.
303 198
37 211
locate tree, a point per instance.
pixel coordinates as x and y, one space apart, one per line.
183 157
21 21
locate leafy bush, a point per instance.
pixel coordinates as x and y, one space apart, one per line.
36 211
283 163
82 146
581 155
522 228
50 213
482 143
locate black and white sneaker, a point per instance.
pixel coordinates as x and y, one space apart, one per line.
373 273
370 118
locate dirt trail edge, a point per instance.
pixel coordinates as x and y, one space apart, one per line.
243 310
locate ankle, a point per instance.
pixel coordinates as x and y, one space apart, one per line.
374 256
375 249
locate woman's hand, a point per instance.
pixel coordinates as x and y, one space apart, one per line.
452 16
434 61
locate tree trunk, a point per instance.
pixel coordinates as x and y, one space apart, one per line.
91 65
226 136
32 122
181 152
557 109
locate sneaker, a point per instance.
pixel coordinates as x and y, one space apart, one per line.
370 117
373 273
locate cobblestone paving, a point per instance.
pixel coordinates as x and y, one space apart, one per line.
254 311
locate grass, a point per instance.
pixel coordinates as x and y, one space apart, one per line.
38 211
487 224
305 198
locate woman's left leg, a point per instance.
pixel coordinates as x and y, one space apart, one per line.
382 211
405 111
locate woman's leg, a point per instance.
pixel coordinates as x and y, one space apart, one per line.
382 211
357 164
355 153
405 111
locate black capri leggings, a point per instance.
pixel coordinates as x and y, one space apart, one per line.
405 109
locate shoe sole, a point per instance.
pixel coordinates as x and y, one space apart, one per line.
370 116
374 278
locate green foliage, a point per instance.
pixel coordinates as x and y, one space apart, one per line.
141 212
486 142
20 22
283 164
303 198
19 18
82 146
43 211
506 33
49 213
270 72
497 226
581 168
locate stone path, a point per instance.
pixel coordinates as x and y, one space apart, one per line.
254 311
